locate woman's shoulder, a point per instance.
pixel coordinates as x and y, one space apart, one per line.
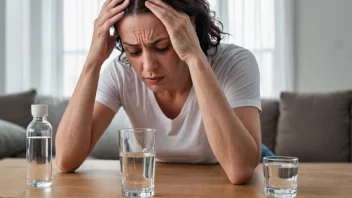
231 55
226 51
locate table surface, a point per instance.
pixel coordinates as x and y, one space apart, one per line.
101 178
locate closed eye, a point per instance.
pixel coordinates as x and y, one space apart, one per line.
162 49
135 53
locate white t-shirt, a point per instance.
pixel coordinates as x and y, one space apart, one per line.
183 139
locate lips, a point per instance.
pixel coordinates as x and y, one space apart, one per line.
154 80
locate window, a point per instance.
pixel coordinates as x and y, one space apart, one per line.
78 22
251 24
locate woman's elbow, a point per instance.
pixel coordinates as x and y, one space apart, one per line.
63 166
240 177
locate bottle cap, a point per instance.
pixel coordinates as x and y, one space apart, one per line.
39 110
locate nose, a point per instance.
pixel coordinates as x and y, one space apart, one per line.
150 62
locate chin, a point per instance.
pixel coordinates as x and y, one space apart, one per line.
156 88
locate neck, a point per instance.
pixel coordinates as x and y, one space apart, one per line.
40 119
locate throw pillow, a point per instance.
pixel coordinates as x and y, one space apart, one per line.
315 127
16 108
12 139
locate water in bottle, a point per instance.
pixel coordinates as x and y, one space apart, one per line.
38 149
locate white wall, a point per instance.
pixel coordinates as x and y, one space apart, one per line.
323 41
2 46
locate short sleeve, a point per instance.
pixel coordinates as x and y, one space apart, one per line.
242 80
108 87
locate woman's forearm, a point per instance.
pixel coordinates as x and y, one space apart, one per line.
74 133
232 144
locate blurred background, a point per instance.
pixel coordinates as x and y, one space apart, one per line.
300 45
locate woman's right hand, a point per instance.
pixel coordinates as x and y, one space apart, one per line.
102 42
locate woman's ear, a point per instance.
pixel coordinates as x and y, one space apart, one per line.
193 21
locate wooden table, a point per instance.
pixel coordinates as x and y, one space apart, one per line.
101 178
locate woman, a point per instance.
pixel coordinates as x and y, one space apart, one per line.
202 97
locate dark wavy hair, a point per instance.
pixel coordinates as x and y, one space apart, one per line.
209 34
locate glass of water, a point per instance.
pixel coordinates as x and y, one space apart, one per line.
137 163
280 176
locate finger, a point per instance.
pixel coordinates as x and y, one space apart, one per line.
114 11
106 3
174 13
102 12
164 16
108 23
113 3
163 5
118 9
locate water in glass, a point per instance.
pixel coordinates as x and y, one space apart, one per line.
137 161
137 171
280 179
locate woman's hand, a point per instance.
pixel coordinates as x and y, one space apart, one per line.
182 33
102 42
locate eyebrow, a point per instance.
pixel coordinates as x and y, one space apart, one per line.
152 43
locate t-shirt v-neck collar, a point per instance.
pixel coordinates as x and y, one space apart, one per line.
185 109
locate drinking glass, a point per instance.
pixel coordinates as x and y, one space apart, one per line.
137 161
280 176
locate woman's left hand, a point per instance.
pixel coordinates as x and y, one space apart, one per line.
182 33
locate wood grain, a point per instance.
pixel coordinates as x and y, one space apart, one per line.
101 178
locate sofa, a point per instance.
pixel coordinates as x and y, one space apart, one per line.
315 127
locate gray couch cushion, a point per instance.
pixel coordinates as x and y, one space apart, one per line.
315 127
107 147
16 108
12 139
268 121
56 109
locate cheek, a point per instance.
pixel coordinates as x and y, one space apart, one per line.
169 60
136 64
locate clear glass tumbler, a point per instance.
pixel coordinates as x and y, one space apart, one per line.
280 176
137 161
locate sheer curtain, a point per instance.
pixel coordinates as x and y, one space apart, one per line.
265 28
47 42
78 20
31 46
